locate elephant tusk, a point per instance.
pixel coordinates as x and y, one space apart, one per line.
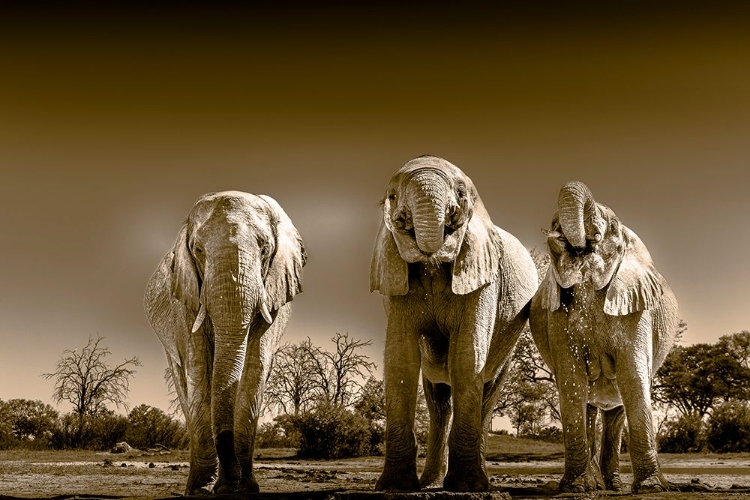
200 318
264 307
266 313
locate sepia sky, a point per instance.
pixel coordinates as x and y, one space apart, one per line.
112 123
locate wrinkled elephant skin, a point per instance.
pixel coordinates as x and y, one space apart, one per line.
219 302
603 319
456 291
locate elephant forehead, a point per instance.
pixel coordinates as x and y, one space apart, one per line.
229 198
231 210
439 165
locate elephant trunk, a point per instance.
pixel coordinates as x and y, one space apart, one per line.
579 216
428 209
234 292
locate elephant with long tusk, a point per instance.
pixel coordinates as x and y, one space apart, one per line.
456 290
603 319
219 302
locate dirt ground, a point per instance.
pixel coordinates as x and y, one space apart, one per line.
68 474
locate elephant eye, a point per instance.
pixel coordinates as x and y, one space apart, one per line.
613 225
392 197
461 191
265 249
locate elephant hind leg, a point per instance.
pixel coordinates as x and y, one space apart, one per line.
614 420
438 399
594 438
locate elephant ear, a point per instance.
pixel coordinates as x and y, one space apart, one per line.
389 273
184 273
284 277
637 285
478 260
549 290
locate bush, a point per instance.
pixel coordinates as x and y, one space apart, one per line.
149 427
281 433
26 424
729 428
550 434
100 432
685 434
333 432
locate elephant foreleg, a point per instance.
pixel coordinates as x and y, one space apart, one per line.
634 382
258 359
197 408
402 364
465 459
573 388
614 420
438 398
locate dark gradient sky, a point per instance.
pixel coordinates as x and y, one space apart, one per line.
113 123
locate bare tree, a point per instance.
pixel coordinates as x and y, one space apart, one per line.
340 373
292 383
86 380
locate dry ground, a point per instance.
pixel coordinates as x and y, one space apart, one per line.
521 471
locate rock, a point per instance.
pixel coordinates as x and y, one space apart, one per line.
151 465
122 447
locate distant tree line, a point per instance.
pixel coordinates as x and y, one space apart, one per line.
35 425
703 391
327 404
84 378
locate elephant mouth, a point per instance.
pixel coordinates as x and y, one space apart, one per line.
406 241
584 266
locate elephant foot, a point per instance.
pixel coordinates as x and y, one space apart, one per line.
431 479
467 480
614 483
578 484
397 480
249 485
652 484
203 491
199 481
227 487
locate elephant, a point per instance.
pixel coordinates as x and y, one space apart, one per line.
219 302
603 320
456 291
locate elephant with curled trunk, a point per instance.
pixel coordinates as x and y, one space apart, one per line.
219 301
603 319
456 293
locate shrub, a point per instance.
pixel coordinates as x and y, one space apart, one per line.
149 427
331 431
729 428
100 432
26 424
550 434
281 433
685 434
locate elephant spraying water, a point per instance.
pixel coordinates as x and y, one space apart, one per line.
456 291
219 302
603 319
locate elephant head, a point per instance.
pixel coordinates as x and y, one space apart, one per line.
432 213
589 245
235 264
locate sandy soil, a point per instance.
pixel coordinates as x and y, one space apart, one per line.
86 474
